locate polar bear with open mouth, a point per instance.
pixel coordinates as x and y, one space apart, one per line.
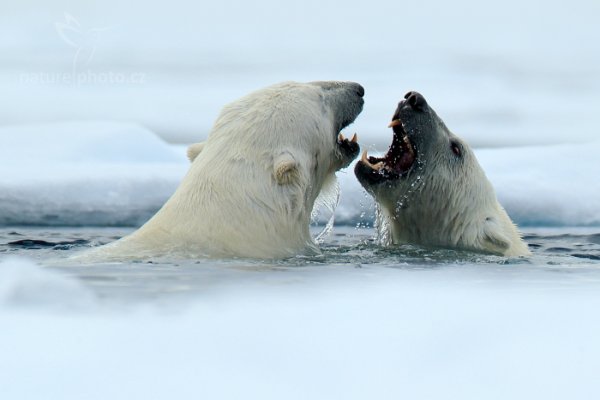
432 191
252 185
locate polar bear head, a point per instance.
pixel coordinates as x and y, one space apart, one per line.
290 121
432 191
253 183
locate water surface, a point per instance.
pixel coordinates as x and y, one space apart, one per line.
563 258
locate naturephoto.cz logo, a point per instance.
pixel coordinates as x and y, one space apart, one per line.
85 43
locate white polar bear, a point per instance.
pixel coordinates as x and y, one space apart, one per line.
432 191
252 185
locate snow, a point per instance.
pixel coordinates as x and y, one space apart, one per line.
109 173
24 284
551 185
83 143
85 173
446 333
172 66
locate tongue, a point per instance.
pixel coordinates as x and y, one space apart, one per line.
401 155
406 160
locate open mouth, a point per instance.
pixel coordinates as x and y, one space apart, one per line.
342 139
400 157
348 146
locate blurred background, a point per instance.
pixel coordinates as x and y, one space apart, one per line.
500 73
103 95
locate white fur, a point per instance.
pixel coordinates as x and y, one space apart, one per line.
194 150
251 186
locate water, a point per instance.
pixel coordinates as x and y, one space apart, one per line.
562 257
360 321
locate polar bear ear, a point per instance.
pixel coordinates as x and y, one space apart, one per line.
194 150
285 169
493 237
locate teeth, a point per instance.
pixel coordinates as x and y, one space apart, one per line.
341 137
395 122
365 160
354 138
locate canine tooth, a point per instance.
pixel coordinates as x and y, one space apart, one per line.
395 122
342 138
364 158
354 138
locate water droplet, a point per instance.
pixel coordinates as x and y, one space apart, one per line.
328 199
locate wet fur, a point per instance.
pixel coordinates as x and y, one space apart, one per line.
444 200
252 185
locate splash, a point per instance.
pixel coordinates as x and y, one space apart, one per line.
382 227
416 186
382 219
328 200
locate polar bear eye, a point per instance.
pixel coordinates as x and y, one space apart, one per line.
455 149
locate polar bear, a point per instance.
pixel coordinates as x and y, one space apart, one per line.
252 185
431 190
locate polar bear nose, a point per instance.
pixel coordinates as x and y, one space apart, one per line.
416 101
360 91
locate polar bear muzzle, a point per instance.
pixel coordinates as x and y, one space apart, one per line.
402 154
